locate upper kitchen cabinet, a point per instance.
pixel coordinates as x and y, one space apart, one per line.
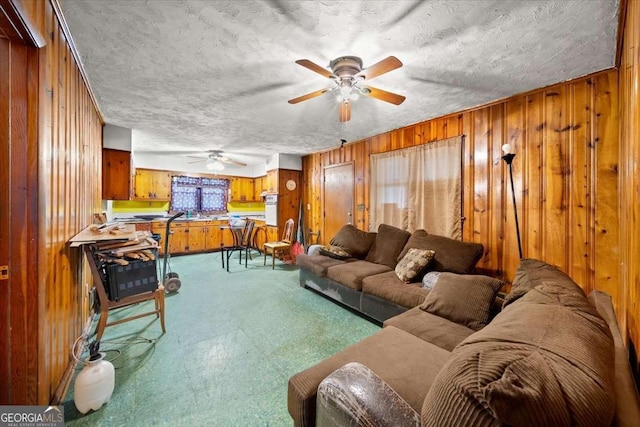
242 190
116 174
152 184
259 185
272 181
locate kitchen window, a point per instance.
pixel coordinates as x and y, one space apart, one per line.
199 195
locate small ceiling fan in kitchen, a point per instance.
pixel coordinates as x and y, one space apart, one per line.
215 160
348 78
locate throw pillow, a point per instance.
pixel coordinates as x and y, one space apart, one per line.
389 242
463 299
430 279
413 264
354 241
335 252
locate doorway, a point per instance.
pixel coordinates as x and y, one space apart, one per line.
338 198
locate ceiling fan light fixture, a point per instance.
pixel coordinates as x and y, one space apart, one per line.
345 92
214 165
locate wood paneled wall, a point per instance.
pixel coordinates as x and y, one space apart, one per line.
62 169
629 287
565 176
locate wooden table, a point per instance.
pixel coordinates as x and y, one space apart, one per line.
89 240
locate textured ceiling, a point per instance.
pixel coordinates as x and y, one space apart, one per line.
206 75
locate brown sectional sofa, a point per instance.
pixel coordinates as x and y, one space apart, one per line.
551 357
367 281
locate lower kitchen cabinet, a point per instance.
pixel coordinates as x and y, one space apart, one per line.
178 239
203 236
197 236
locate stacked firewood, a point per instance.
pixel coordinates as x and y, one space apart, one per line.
142 247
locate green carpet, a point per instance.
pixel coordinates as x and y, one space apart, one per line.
232 342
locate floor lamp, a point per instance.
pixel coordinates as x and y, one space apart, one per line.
508 159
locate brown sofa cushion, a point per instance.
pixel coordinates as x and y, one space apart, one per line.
317 264
354 241
418 240
413 264
351 274
431 328
464 299
394 355
532 273
388 287
451 255
388 244
535 364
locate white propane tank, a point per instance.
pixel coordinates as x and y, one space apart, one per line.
94 384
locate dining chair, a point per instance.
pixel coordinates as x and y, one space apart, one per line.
242 243
282 246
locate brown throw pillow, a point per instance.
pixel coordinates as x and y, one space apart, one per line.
354 241
389 242
334 252
414 263
463 299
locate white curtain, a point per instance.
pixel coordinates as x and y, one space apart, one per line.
418 188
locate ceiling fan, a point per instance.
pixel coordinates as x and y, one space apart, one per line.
215 160
348 76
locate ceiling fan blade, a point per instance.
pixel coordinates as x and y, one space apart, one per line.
315 67
382 95
345 112
388 64
200 159
308 96
230 161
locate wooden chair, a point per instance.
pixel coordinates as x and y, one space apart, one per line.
281 247
242 243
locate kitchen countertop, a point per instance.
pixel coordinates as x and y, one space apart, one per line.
184 219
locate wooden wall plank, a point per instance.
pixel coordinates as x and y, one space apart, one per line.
5 221
532 222
629 155
579 192
55 162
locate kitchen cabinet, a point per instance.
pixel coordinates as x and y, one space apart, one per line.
272 181
152 184
213 236
178 240
197 236
259 185
116 174
242 190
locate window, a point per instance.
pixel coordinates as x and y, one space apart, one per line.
199 195
418 188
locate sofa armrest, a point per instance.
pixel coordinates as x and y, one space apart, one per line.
354 395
